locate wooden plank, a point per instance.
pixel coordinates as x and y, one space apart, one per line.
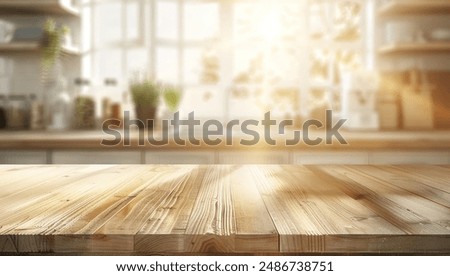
418 202
428 47
433 176
211 225
121 192
139 211
421 244
21 187
397 7
411 213
109 203
19 179
111 243
8 244
255 230
306 209
73 199
76 198
408 183
165 229
45 185
378 244
27 243
232 187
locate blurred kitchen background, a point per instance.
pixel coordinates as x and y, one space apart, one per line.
67 65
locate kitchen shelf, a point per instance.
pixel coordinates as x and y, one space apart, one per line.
44 7
426 47
33 46
401 7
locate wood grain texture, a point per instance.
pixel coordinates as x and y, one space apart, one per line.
226 209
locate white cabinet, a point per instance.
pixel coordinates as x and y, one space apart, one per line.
254 157
331 157
180 157
409 157
309 157
391 157
23 157
96 157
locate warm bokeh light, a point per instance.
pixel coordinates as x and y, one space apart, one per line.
269 27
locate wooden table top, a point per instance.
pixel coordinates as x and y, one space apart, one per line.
230 209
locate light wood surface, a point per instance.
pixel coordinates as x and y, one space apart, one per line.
231 209
33 46
370 140
55 7
402 7
415 47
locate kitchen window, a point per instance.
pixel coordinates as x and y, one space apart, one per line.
233 59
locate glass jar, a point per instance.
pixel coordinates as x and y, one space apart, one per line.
112 106
84 109
108 98
60 107
17 112
37 120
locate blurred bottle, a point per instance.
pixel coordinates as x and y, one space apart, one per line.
127 104
111 109
37 121
17 112
60 107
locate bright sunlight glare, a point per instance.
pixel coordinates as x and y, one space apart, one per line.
270 27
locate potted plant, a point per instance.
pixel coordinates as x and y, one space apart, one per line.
145 95
52 41
52 76
171 96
